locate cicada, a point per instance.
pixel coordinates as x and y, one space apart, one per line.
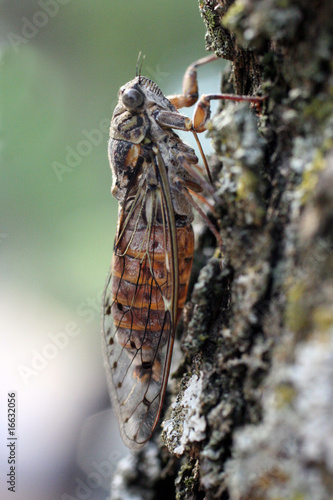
146 289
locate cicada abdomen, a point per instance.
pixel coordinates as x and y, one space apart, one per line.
140 332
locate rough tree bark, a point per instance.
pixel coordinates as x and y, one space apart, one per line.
250 410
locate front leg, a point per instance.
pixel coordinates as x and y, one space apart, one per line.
201 113
190 95
190 84
172 119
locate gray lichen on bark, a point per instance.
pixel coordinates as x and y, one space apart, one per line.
251 412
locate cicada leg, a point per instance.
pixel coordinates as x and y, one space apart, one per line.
188 193
202 110
190 95
201 113
190 84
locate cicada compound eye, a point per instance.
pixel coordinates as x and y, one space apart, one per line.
132 98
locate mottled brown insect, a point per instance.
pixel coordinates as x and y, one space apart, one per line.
153 251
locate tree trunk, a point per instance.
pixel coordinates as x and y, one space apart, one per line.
252 412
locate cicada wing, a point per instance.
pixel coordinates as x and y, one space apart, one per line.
140 300
136 376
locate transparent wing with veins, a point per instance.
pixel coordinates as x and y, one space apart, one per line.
139 317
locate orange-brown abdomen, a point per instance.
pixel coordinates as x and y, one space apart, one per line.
141 290
141 277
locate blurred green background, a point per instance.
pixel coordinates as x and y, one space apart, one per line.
62 63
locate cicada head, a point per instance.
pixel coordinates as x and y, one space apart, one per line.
136 100
141 94
130 128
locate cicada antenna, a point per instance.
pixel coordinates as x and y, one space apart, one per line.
139 65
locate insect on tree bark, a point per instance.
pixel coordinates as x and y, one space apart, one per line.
146 289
